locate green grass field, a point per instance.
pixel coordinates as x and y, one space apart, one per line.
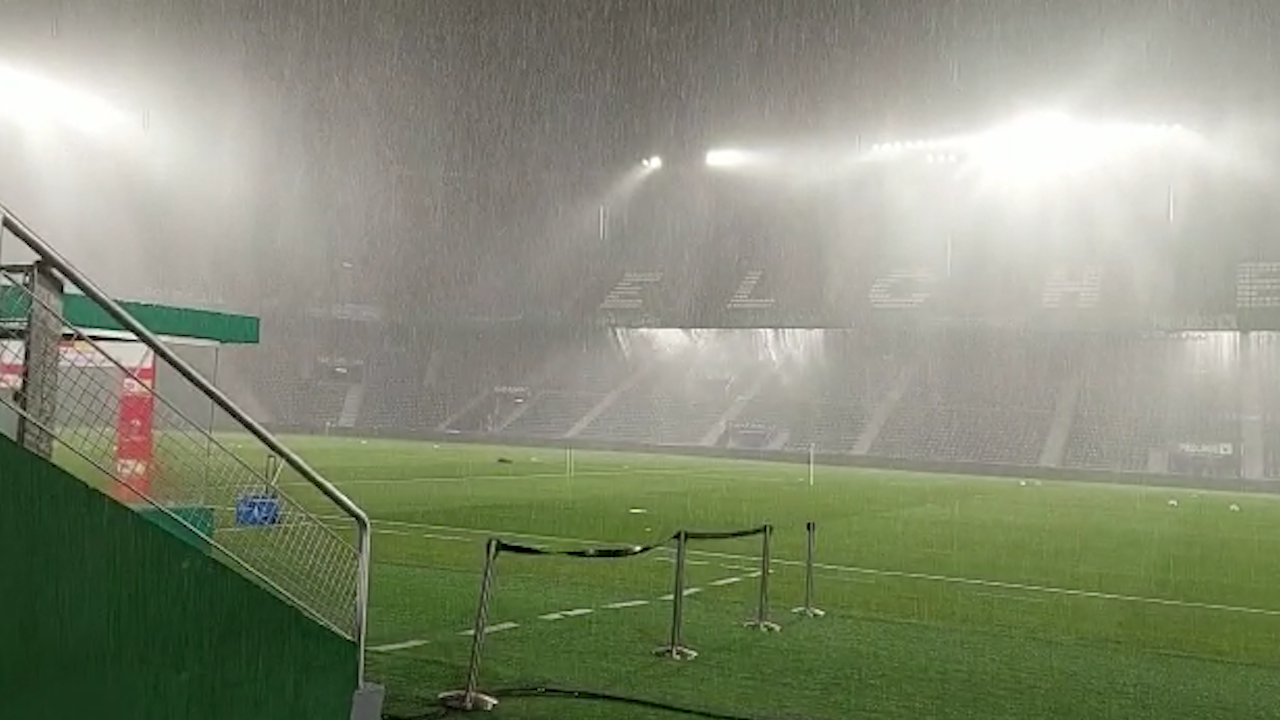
947 596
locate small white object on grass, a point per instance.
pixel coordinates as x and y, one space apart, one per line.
1173 503
1234 507
1023 483
638 511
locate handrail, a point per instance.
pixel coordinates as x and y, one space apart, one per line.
55 260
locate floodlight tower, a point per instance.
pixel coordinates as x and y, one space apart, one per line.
622 191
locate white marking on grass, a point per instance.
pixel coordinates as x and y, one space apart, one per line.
626 604
668 559
489 630
552 616
430 536
876 572
460 478
692 591
725 581
577 613
393 647
1005 596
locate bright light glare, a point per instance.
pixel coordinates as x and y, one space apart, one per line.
1046 145
39 102
652 163
727 158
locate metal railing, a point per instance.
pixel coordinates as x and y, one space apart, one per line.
321 568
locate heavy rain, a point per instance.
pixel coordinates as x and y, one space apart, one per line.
497 343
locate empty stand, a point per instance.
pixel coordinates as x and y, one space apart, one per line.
979 397
1143 399
584 379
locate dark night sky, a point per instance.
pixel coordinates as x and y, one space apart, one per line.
435 138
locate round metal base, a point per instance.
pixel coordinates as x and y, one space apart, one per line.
812 612
763 625
467 702
676 652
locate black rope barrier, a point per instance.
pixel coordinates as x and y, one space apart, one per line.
470 698
631 550
601 552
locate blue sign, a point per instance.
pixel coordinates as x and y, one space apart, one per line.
257 510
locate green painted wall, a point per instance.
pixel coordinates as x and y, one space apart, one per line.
105 615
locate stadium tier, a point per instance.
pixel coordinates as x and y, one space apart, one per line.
986 337
1203 403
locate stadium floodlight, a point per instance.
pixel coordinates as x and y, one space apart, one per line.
652 163
40 102
729 158
1050 144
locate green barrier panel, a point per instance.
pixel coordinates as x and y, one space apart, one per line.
119 620
197 516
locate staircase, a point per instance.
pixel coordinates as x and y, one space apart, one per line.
168 532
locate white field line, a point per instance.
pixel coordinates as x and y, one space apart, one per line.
876 572
691 563
395 647
490 629
1006 596
690 475
461 478
687 592
430 536
626 604
556 616
725 581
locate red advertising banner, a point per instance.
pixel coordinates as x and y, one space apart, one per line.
135 443
10 376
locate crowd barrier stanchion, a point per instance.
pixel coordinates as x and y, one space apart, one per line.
761 620
808 608
675 649
274 469
470 698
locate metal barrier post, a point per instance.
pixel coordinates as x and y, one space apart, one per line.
470 698
808 609
674 649
761 621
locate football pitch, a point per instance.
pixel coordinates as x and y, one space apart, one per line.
945 596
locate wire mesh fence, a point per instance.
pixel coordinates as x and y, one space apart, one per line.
105 407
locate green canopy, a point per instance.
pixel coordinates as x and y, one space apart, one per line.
165 320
